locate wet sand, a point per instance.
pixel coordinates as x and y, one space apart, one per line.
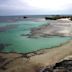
53 55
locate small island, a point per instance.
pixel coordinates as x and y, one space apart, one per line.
25 17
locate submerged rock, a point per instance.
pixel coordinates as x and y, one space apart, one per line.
55 28
2 46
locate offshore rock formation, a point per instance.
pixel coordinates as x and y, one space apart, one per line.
25 17
55 17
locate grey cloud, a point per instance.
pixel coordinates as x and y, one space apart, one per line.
20 7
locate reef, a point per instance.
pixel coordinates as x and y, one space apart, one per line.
56 28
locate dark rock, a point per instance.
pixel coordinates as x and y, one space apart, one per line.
48 18
2 59
7 45
63 66
24 17
60 70
46 70
25 34
46 36
65 63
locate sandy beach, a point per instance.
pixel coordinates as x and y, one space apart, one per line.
18 63
53 55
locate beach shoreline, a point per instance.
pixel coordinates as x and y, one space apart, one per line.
35 62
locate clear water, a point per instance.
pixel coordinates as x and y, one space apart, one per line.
23 44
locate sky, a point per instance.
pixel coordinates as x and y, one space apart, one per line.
35 7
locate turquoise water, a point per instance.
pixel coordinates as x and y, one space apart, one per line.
23 44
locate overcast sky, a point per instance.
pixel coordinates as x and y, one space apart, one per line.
31 7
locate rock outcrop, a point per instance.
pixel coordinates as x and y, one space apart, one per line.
63 66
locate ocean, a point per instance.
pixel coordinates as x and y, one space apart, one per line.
12 28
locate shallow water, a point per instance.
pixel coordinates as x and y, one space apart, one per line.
23 44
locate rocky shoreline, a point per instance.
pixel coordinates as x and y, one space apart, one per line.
63 66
